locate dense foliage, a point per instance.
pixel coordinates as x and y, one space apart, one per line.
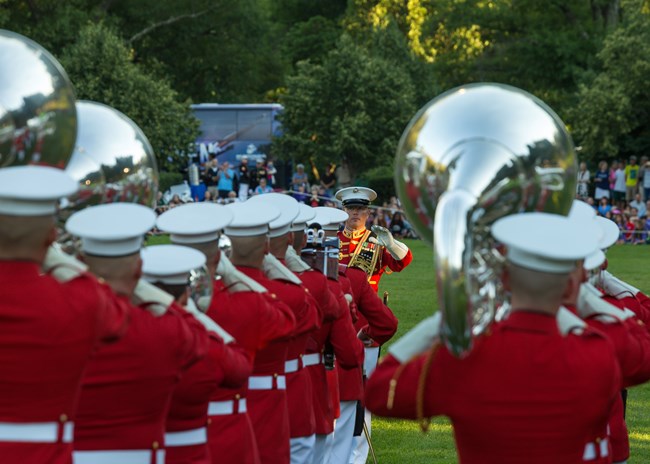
350 73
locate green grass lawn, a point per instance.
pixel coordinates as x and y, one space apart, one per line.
412 297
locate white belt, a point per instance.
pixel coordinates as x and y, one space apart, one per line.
223 408
38 432
590 450
267 382
312 359
119 456
187 437
294 365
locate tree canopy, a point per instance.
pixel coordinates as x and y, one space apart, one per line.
351 73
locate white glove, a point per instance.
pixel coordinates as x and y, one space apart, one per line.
209 324
591 303
62 266
418 340
396 248
615 287
151 298
235 280
275 270
567 321
294 262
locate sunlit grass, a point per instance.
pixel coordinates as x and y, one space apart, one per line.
412 297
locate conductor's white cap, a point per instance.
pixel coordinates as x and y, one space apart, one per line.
195 222
33 190
544 242
112 230
250 219
356 196
289 209
170 264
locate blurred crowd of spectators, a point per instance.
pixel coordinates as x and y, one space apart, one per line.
225 184
620 191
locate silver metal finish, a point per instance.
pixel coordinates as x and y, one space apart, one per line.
470 156
112 159
201 288
38 121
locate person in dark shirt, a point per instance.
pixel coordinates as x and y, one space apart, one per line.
244 176
601 181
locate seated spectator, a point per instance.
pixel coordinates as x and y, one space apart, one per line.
638 204
262 187
208 196
314 199
640 233
397 226
300 194
603 206
381 219
299 179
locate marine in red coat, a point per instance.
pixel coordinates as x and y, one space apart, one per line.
169 267
127 386
51 323
509 399
291 291
255 318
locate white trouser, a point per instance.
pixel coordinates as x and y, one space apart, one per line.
302 449
360 451
343 433
323 448
119 456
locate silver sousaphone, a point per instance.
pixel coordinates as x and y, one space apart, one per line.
472 155
38 121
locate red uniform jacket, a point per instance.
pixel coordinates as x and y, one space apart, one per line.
348 350
349 242
631 341
128 385
254 320
268 409
226 365
47 335
525 393
375 319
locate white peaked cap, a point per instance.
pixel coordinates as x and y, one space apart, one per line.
545 242
289 209
594 260
356 196
33 190
170 264
195 222
305 217
330 218
585 214
250 219
112 230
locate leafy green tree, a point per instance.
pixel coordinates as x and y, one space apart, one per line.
351 109
311 40
613 114
101 67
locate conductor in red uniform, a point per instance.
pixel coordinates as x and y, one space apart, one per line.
49 328
526 392
127 386
374 250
